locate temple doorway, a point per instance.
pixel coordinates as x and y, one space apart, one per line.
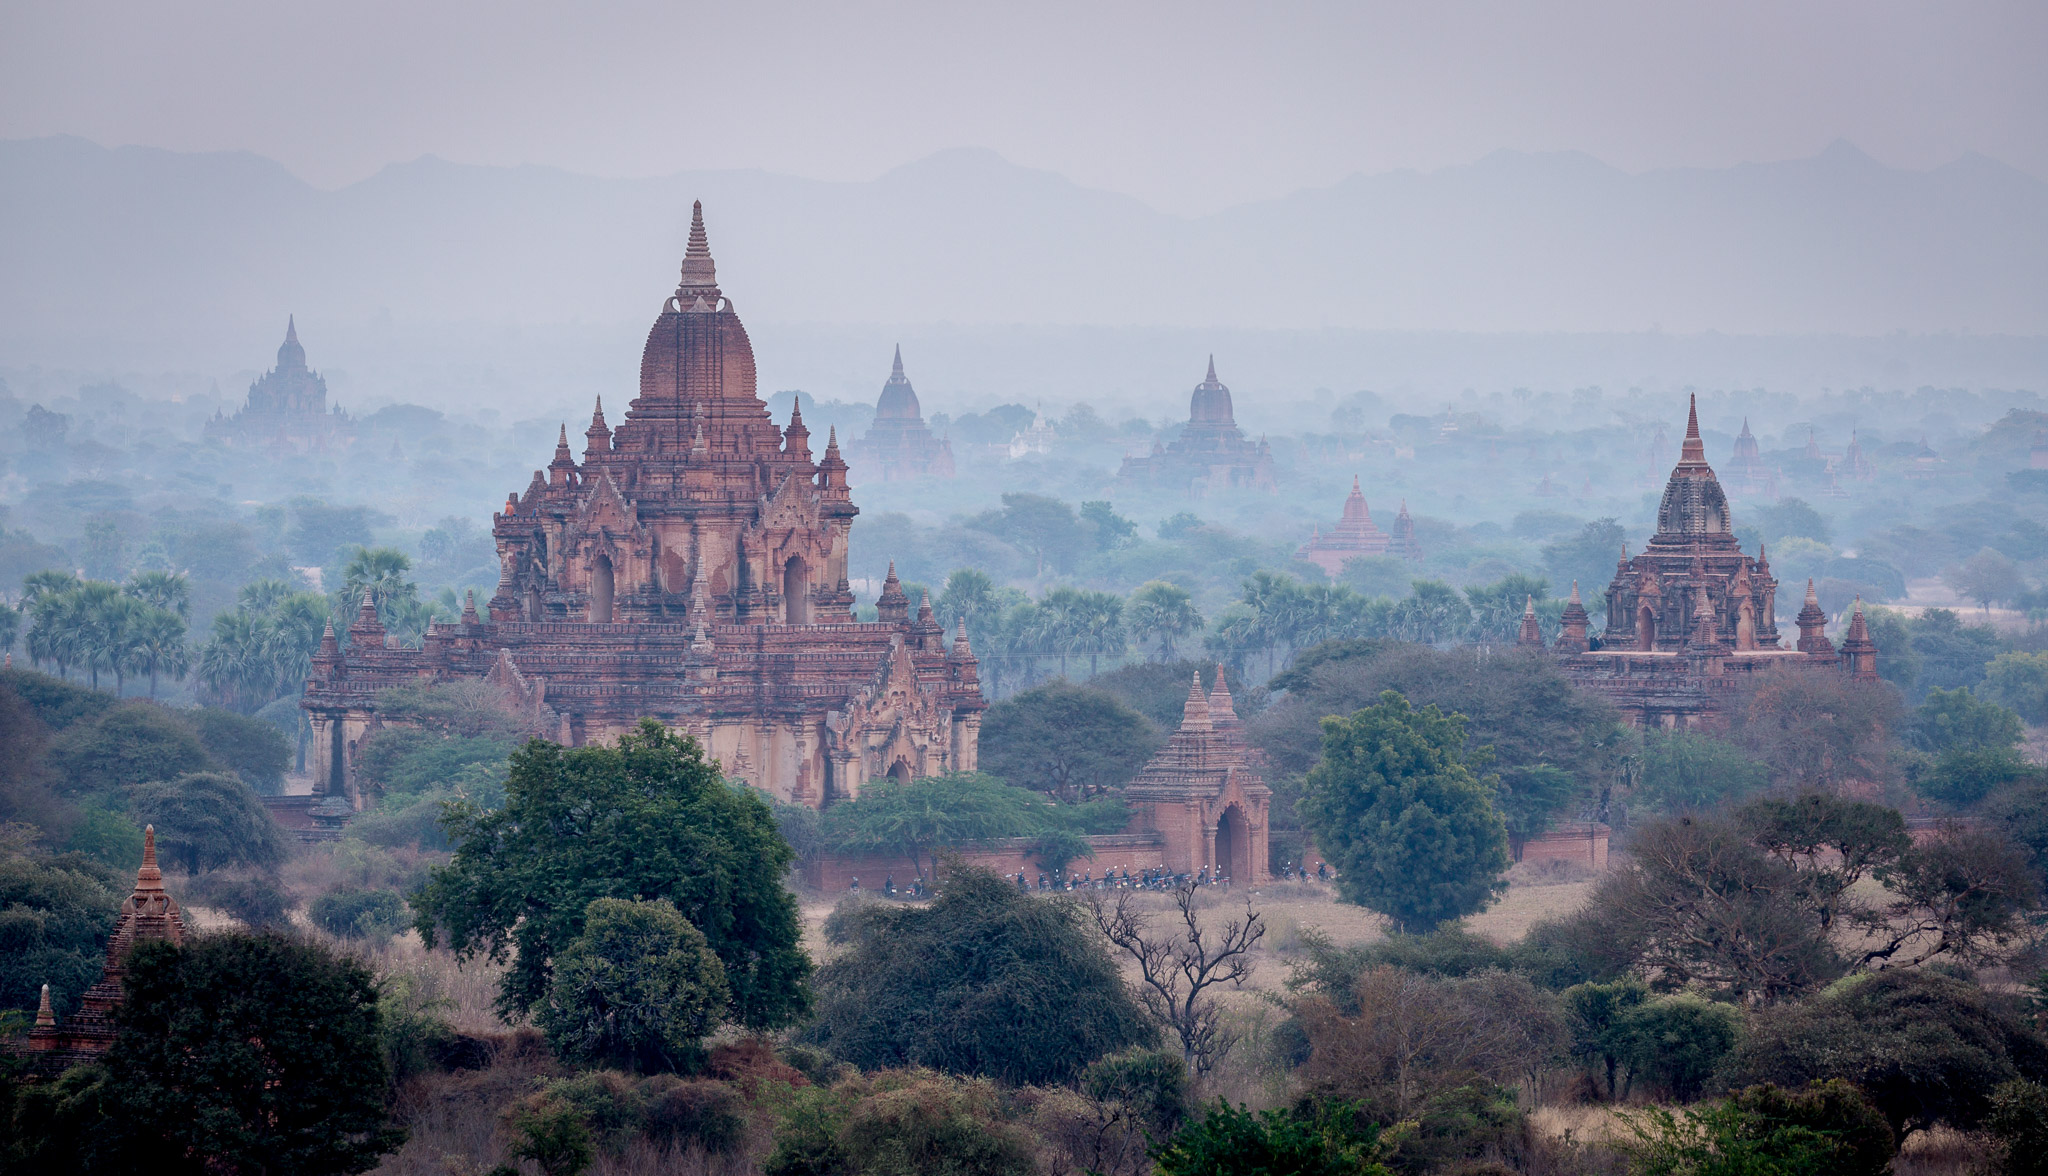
900 771
1646 628
796 592
601 591
1234 845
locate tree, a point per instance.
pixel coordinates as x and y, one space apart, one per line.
917 818
971 596
243 1053
1927 1049
1951 653
1497 607
1412 832
1318 1140
1109 529
986 980
1178 967
1070 742
1685 772
2019 681
251 748
1084 622
55 916
1163 614
639 989
156 647
645 817
1827 1129
1985 577
1957 720
168 591
128 745
1043 528
206 820
1791 517
1434 614
1586 559
1815 731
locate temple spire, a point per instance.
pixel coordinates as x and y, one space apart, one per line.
896 370
291 329
700 273
150 876
1694 451
1195 717
46 1017
1212 367
1222 708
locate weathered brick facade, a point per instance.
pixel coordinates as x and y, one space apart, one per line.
691 567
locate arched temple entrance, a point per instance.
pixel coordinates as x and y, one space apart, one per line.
1646 628
1233 845
900 771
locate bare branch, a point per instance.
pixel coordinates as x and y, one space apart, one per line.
1177 969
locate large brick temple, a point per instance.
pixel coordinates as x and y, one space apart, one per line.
1692 615
287 407
899 445
690 567
1211 455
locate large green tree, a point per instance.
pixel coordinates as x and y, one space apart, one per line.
918 818
639 988
236 1053
128 745
55 915
985 980
1071 742
644 817
1414 834
205 820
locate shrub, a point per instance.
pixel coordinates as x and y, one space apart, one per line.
639 988
251 748
552 1134
352 913
130 744
1675 1042
919 1123
205 820
1149 1085
1311 1140
256 901
695 1112
2019 1121
1828 1129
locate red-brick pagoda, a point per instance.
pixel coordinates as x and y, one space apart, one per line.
1203 794
287 408
149 913
691 567
1356 535
1692 613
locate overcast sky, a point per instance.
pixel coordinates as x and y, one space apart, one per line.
1190 106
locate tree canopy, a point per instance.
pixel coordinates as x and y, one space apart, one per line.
205 820
917 818
986 980
639 988
1414 834
646 817
1070 742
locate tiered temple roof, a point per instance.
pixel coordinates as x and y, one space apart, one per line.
1692 611
287 407
690 567
899 445
1211 454
1203 793
1356 535
149 913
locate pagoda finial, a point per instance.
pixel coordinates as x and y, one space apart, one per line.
1812 597
149 877
1694 451
1212 367
291 328
46 1017
960 646
366 613
1575 593
896 371
1195 717
700 273
1222 709
597 414
469 616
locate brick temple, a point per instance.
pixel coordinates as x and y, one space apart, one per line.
1692 613
1356 535
691 566
149 913
899 446
1211 454
1203 795
287 407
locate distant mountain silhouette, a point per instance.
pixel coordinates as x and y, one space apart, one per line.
151 243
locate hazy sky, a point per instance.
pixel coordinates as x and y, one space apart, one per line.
1190 106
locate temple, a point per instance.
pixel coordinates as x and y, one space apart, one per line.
899 446
690 567
1211 454
149 913
287 408
1747 470
1691 614
1203 795
1356 535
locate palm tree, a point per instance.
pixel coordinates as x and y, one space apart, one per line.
37 585
98 614
169 591
1164 613
159 646
237 661
1096 627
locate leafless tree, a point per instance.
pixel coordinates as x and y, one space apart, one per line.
1178 966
